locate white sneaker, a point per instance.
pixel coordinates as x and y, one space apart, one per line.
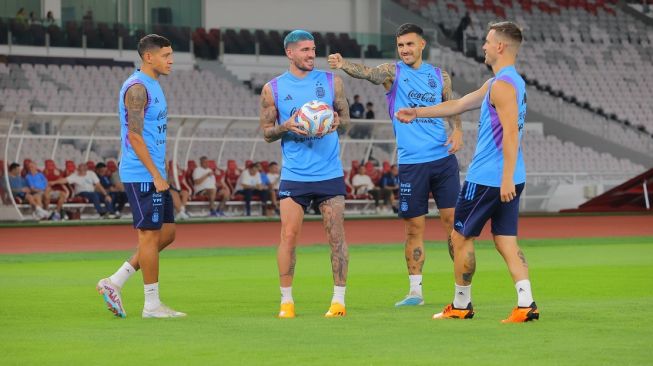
162 312
182 215
43 214
111 294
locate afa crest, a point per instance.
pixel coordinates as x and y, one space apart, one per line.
319 90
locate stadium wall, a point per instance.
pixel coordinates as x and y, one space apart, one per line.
351 16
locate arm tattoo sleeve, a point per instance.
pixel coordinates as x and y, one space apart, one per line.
340 104
447 94
377 75
135 101
268 116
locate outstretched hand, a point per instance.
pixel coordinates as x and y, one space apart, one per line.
406 115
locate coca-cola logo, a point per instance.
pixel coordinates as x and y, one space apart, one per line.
424 97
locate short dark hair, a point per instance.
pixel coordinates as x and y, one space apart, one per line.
203 158
100 165
409 28
272 164
152 41
13 166
508 29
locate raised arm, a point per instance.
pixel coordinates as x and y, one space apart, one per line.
268 118
135 101
456 124
340 106
470 101
504 98
382 74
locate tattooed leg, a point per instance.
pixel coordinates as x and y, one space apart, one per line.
414 247
446 217
333 218
514 257
292 215
464 258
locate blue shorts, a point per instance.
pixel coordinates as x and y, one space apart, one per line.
440 177
478 203
149 208
306 192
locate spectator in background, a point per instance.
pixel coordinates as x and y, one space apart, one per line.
389 184
273 185
87 185
116 192
179 195
362 184
20 189
21 16
458 34
49 19
369 110
42 191
205 185
249 184
356 109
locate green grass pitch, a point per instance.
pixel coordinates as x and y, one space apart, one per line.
595 297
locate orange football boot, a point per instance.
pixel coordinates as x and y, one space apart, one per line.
450 312
287 310
523 314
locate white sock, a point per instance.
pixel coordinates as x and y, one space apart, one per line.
286 294
462 297
122 274
182 209
152 300
339 294
415 284
524 294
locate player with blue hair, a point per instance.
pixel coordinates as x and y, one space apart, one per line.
311 170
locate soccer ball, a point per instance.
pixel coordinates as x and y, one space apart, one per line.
315 118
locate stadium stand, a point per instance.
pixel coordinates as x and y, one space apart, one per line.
581 51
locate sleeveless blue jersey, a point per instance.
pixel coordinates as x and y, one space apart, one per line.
486 167
154 130
423 139
306 159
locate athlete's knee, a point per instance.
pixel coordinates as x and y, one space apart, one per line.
289 236
446 217
414 227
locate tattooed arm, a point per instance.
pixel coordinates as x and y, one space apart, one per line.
382 74
268 117
456 137
135 101
340 106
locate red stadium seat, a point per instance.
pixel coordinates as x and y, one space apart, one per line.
69 168
90 164
112 166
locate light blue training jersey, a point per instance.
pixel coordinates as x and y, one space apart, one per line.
306 159
155 125
486 167
423 139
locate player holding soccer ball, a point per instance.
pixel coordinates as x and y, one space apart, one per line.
427 163
312 170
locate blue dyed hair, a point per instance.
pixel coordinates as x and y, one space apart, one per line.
296 36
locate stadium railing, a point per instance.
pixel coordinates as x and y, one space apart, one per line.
215 136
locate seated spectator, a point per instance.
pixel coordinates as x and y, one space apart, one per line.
249 184
363 185
179 196
274 178
59 192
356 109
115 189
42 191
369 110
205 185
390 187
87 185
21 190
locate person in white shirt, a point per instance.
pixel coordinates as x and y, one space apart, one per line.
204 181
363 185
87 185
273 184
249 184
